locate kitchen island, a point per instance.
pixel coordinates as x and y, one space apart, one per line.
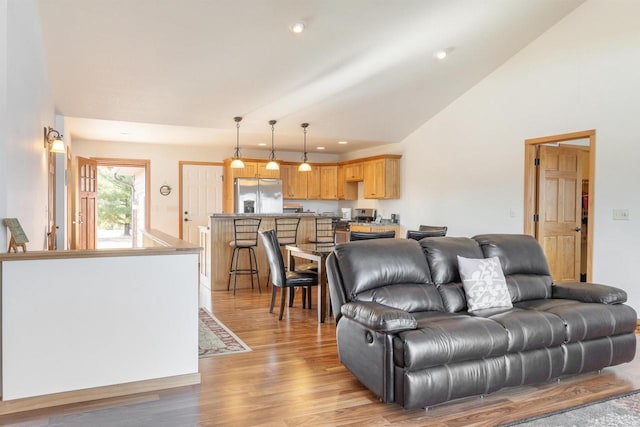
221 232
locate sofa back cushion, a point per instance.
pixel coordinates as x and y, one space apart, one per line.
523 262
442 256
393 272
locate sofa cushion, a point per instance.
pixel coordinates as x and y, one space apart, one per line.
587 321
527 329
453 297
442 253
483 282
409 298
370 264
442 338
523 263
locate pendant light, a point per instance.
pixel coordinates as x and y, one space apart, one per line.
272 165
304 166
237 163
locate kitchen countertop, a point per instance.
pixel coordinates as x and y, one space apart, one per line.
298 214
374 224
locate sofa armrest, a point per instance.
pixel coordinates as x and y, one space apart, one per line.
379 317
589 292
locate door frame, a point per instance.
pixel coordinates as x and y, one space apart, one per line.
138 163
531 183
182 163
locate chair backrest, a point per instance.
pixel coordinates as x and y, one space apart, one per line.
274 256
287 230
436 231
419 235
368 235
325 230
246 231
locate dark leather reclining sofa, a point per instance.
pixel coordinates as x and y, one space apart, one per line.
404 331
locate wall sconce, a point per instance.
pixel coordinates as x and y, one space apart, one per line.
53 138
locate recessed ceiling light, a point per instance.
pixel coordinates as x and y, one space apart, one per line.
297 27
262 144
320 148
343 142
441 54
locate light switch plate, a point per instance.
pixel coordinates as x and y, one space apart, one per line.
621 214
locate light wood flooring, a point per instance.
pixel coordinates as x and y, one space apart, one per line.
293 377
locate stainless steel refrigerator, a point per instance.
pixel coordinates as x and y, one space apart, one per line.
258 195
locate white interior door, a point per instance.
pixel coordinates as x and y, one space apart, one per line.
201 196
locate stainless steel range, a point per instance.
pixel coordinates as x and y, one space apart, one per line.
364 215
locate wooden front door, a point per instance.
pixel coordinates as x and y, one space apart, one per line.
201 192
87 187
559 210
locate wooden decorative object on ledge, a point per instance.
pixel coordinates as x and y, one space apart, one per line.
18 237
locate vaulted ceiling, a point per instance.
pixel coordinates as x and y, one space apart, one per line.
364 71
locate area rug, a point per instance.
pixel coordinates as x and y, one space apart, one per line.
617 411
215 339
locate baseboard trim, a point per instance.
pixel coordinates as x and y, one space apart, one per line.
85 395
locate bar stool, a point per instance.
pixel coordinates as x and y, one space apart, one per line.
325 230
245 237
286 232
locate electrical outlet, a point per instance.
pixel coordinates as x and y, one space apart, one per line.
621 214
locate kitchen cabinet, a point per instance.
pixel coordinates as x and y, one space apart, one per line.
381 178
353 172
329 182
346 190
313 183
294 183
263 172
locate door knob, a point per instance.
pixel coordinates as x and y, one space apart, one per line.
578 228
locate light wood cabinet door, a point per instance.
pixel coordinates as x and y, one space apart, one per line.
294 183
340 183
263 172
353 172
329 182
346 190
313 183
250 170
381 179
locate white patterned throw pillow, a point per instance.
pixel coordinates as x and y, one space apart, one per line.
484 283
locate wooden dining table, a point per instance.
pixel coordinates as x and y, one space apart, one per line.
317 252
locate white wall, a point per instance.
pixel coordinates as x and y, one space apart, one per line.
464 167
3 120
136 319
164 170
28 107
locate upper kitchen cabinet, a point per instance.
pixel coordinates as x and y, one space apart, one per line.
294 183
329 182
346 190
252 169
313 183
263 172
382 178
353 172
